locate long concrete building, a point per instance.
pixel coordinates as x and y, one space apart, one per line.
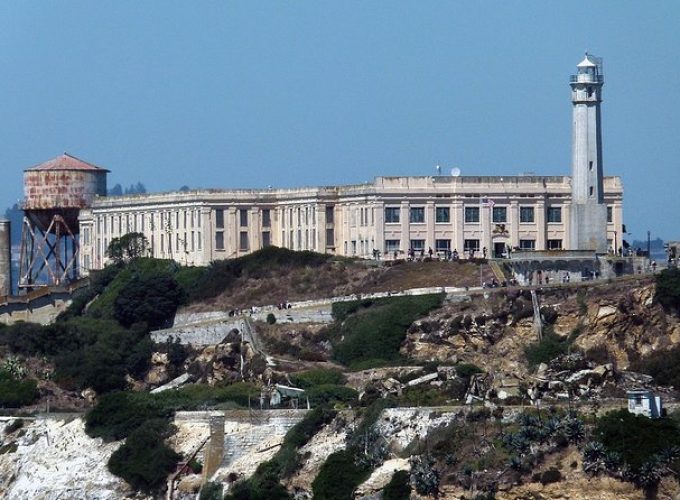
392 215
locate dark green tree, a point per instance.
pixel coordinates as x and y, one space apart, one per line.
152 298
128 247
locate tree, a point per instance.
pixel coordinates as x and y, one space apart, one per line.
116 190
128 247
668 289
152 298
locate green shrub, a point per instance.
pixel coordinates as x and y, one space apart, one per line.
117 414
330 394
211 491
144 460
338 477
550 347
668 288
375 330
152 298
399 487
664 366
318 376
634 438
271 319
467 370
16 393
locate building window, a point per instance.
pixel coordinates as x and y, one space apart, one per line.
330 215
443 214
417 245
392 214
499 214
219 240
610 214
471 246
417 214
330 237
590 165
527 244
392 246
354 247
471 214
243 217
442 245
266 239
266 218
526 214
554 214
592 191
243 241
554 244
199 241
219 218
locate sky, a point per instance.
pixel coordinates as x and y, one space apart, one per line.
249 94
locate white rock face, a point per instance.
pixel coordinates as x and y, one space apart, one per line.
56 459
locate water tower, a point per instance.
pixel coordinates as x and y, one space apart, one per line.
54 194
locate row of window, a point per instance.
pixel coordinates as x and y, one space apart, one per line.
499 215
243 242
444 245
136 222
242 217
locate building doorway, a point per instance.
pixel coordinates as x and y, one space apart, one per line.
499 250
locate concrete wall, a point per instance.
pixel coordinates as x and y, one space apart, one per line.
5 258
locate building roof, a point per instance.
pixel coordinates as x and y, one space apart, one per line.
586 63
67 162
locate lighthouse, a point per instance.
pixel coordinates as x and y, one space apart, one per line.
588 210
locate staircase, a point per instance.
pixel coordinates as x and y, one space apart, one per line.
538 322
497 271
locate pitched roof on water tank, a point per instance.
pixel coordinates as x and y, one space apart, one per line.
67 162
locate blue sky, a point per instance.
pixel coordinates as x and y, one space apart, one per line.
248 94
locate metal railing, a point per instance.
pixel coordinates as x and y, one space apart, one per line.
586 78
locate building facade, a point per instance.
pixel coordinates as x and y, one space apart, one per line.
392 215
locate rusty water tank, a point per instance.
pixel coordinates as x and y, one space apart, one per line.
63 186
5 258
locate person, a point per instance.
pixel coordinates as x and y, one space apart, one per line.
395 255
455 254
484 252
429 251
653 266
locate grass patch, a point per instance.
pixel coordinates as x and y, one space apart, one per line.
319 376
372 330
550 347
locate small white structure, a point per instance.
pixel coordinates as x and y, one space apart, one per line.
644 402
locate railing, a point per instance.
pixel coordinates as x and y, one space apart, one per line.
586 78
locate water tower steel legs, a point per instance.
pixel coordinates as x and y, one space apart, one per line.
47 251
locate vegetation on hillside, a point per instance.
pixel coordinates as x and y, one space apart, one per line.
668 289
221 274
370 332
634 448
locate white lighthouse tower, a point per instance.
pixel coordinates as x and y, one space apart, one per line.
588 211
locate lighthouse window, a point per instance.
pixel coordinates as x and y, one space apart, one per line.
590 91
591 190
590 165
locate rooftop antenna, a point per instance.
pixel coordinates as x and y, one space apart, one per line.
439 170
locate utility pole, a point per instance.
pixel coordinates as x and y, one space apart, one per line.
649 245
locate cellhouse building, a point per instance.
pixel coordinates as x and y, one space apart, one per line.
392 215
